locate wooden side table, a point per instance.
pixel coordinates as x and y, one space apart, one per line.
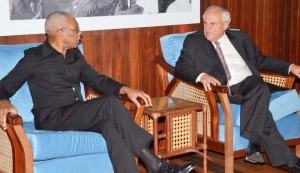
173 123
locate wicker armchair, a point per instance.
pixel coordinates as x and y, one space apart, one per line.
196 93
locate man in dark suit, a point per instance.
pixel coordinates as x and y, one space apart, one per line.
219 56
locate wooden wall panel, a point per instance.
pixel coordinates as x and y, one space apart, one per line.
127 55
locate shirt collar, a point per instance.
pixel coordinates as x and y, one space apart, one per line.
222 39
48 49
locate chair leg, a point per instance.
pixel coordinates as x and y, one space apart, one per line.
229 155
297 150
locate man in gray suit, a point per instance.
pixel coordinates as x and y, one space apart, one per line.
218 56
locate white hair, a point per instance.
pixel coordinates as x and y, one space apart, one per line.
56 21
226 18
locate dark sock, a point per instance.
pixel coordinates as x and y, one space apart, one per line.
253 147
254 143
151 161
255 139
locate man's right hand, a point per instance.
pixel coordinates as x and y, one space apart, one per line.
207 79
5 108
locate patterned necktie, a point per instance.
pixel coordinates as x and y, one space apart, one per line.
221 56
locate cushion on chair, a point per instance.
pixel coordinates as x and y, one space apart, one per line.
95 163
282 103
61 144
239 142
171 46
236 109
9 57
283 125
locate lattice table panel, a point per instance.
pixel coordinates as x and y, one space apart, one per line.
181 131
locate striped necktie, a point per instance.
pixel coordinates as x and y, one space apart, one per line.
221 56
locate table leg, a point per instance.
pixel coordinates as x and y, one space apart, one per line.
155 135
205 139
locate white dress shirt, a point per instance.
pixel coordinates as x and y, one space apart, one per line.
237 67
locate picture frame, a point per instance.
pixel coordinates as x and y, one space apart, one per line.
36 26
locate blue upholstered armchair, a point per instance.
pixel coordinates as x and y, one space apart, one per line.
23 149
224 118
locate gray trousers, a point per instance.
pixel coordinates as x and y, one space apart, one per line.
257 122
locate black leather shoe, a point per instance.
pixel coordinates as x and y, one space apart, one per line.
254 154
296 169
166 167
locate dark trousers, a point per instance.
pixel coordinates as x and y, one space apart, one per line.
108 116
257 124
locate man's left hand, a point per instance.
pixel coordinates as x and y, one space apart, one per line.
133 94
295 69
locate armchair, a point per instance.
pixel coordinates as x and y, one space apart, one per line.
23 149
223 118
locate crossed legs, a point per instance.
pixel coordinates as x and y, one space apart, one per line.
257 124
125 139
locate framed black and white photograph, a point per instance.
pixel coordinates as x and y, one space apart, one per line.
20 17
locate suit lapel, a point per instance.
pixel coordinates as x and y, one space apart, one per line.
238 46
213 55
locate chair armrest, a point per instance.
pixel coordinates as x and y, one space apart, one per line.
278 79
14 120
94 94
125 98
164 68
217 89
135 111
21 151
91 93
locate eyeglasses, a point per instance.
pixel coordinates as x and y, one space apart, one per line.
77 30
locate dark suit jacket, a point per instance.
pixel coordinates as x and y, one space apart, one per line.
199 56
